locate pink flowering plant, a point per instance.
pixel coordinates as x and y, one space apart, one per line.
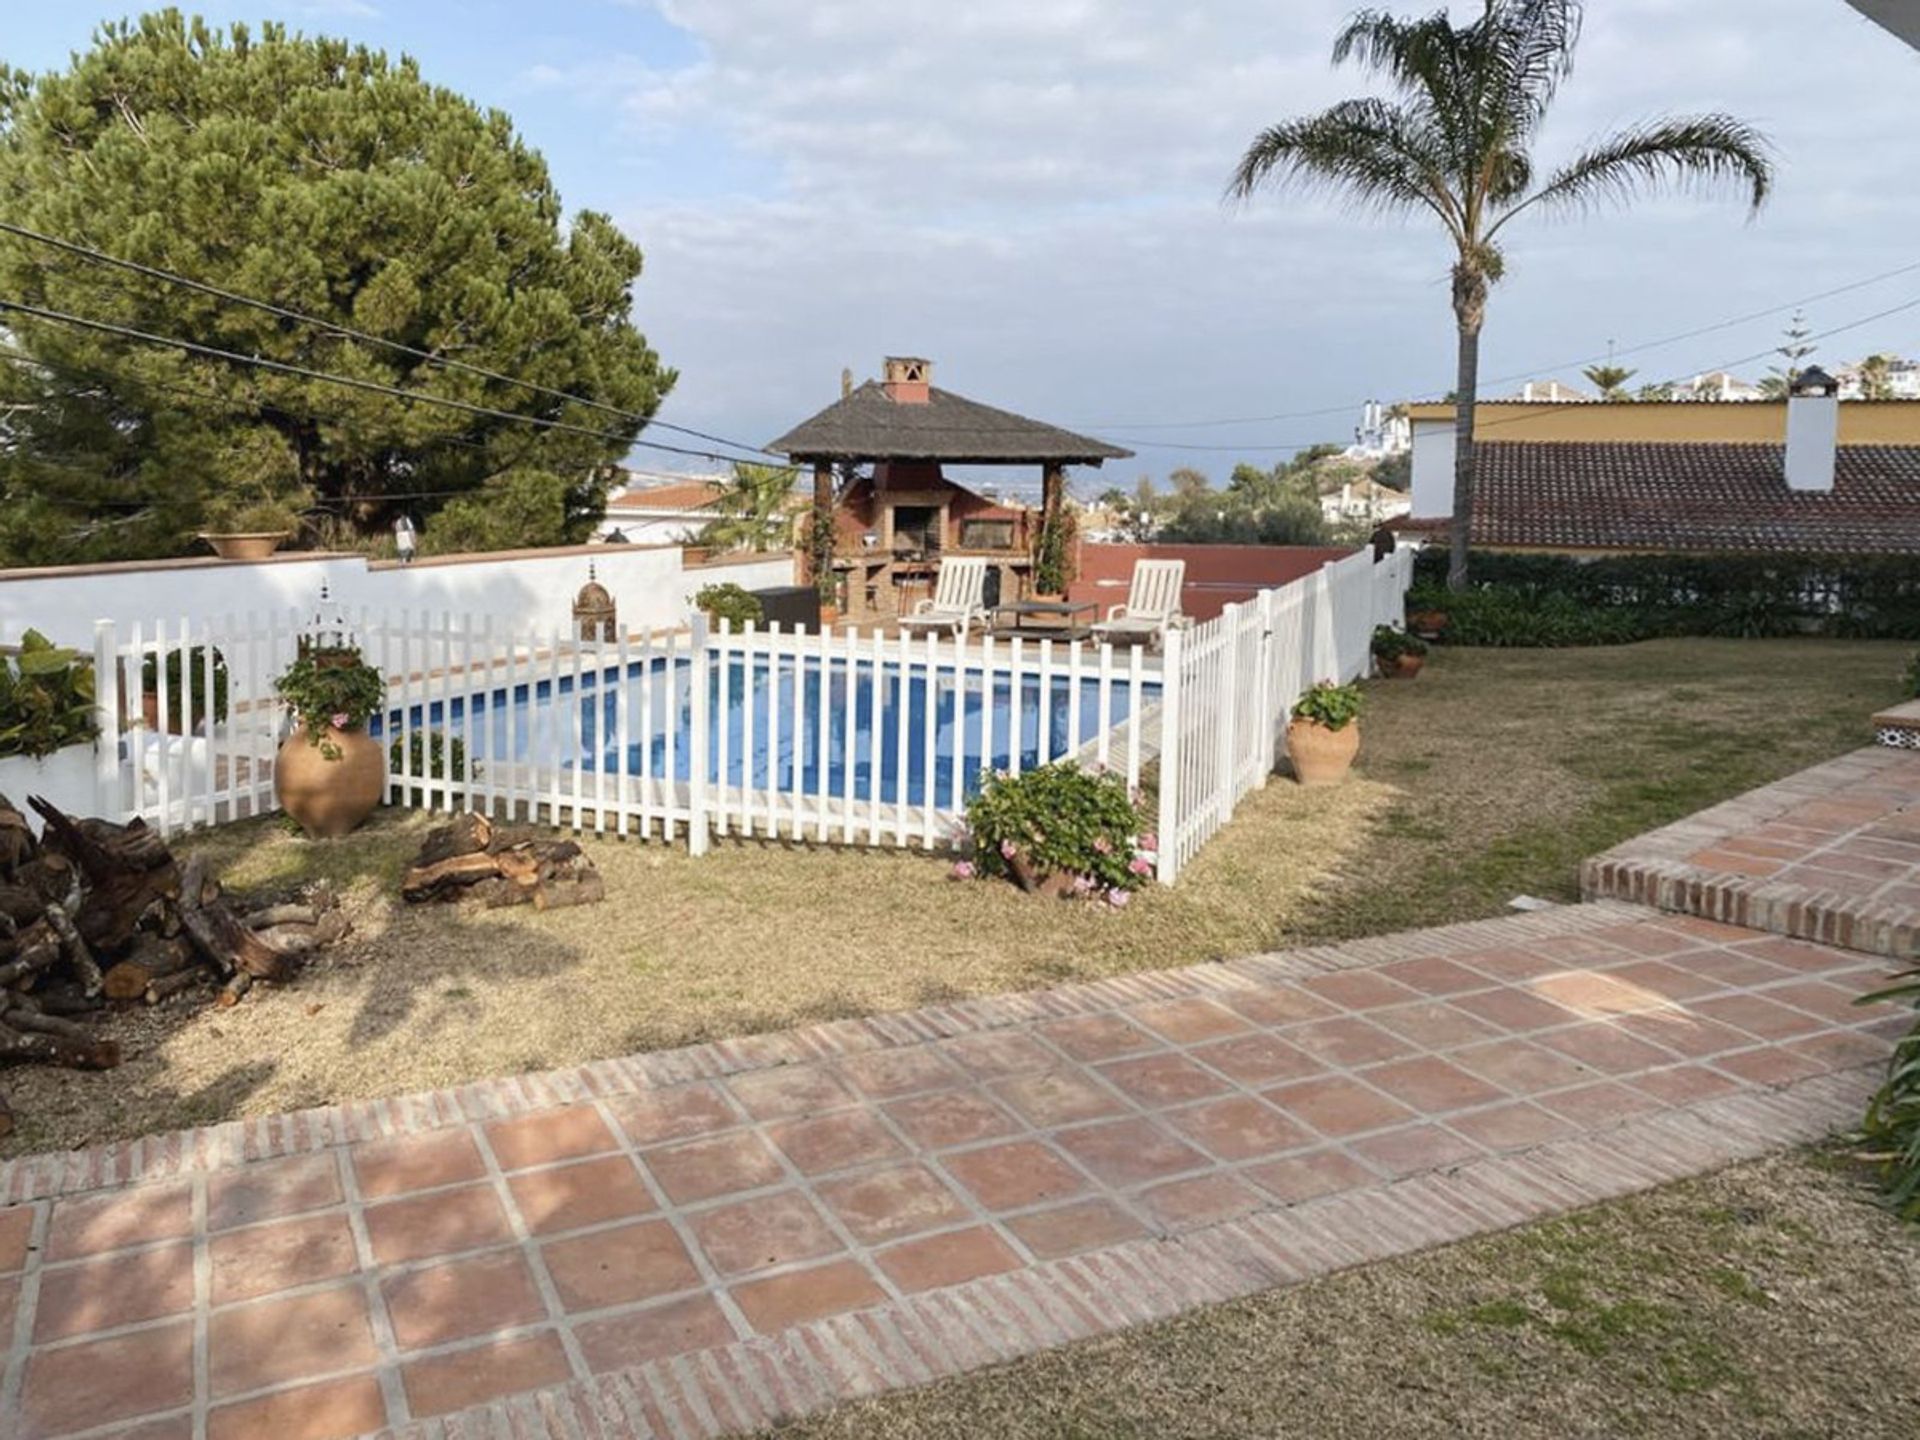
329 692
1060 820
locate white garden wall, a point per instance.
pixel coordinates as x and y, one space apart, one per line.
650 585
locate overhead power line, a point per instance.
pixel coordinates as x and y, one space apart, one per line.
261 362
171 277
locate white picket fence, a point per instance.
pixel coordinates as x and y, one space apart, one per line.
837 738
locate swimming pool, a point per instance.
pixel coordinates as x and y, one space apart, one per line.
837 726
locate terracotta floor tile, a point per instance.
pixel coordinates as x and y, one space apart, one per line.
1818 997
326 1411
1190 1021
1512 1126
1839 1049
1337 1106
619 1266
1731 968
443 1383
416 1162
1276 1005
1768 1065
437 1224
1510 963
1306 1177
272 1188
96 1382
1429 1084
1684 1033
1431 975
1069 1229
674 1112
763 1232
93 1224
1606 1048
889 1204
634 1337
1016 1175
1347 1040
950 1259
995 1054
115 1290
1799 955
290 1338
457 1299
1098 1037
719 1165
1413 1150
1257 1059
1130 1152
1758 1016
1058 1097
1167 1079
1598 1104
566 1133
1238 1127
565 1197
16 1230
779 1301
889 1074
1514 1010
1683 1084
1670 979
1645 938
279 1255
1433 1025
1595 995
1520 1066
789 1090
950 1117
1358 990
1200 1200
837 1141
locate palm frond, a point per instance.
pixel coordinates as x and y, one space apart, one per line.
1383 156
1697 152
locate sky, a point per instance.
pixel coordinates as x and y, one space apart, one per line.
1029 192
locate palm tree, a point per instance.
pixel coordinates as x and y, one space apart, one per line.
1457 140
1609 380
754 510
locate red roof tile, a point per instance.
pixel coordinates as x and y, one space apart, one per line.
682 495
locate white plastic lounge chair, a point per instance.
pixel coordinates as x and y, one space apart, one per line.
957 599
1153 604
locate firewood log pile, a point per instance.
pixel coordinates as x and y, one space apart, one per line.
474 861
95 915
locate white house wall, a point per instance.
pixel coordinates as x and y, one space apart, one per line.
1432 468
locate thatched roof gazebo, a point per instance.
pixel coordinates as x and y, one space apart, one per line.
908 430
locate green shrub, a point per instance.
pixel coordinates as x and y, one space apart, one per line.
1497 617
430 755
187 695
1892 1124
46 698
331 689
1060 819
730 603
1334 706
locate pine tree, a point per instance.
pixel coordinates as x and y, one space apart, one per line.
330 180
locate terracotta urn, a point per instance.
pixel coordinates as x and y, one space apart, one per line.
1402 667
1321 756
330 796
247 545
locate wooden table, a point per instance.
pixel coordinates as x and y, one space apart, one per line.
1046 619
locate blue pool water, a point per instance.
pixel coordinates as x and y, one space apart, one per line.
549 722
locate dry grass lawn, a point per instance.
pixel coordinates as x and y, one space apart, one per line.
1490 775
1769 1300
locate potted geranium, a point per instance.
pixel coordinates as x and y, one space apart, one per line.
1060 830
330 773
1324 735
1396 654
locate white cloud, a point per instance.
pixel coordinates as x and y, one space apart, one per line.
1029 191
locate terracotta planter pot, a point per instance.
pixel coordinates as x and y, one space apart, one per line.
1401 667
1321 756
1428 623
330 797
251 545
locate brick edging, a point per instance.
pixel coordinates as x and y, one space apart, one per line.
750 1384
233 1143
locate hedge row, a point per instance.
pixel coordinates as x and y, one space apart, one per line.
1559 600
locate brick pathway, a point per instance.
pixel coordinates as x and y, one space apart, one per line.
1830 854
695 1242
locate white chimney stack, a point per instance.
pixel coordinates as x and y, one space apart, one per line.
1813 430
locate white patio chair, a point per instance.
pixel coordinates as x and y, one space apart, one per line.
958 599
1153 604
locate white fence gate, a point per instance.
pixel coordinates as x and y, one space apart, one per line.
837 738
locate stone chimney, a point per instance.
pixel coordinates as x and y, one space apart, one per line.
908 380
1813 430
